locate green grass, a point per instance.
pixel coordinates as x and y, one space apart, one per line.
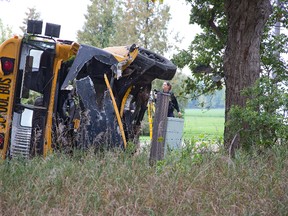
115 183
203 122
190 181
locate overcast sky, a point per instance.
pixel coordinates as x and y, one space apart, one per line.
70 15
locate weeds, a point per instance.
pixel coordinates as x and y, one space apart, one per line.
113 183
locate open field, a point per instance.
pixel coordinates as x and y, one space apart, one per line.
199 122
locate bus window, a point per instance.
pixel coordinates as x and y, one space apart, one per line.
36 54
26 118
31 77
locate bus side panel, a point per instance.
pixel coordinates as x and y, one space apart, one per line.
8 49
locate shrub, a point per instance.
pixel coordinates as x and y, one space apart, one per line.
263 121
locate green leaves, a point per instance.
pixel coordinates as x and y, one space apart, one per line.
5 32
263 121
100 23
117 23
207 48
31 14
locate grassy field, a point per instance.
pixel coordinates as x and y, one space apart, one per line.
191 181
199 122
116 183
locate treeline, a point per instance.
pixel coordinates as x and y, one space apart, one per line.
216 101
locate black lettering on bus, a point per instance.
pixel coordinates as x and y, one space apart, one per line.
7 80
5 86
2 122
4 90
4 104
3 109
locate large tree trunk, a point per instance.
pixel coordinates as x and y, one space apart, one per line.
246 20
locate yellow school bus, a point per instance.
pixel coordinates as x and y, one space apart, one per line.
57 92
29 79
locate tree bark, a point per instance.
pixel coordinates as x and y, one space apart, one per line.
246 21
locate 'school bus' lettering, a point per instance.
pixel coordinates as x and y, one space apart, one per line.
4 100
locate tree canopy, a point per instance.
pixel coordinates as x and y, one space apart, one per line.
31 14
5 32
115 23
205 54
236 47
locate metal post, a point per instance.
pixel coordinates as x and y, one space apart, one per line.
159 128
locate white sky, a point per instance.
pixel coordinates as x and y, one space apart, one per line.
70 15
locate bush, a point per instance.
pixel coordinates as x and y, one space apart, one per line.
264 119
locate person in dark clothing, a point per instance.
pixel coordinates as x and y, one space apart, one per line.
173 103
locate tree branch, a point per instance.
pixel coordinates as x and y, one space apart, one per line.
215 28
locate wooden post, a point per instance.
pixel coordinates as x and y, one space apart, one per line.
159 128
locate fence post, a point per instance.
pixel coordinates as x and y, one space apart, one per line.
159 128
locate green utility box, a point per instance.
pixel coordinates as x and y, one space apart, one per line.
174 133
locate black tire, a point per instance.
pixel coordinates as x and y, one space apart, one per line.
167 68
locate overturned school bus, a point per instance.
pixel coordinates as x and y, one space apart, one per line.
54 92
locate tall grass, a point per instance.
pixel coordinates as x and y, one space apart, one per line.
117 183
